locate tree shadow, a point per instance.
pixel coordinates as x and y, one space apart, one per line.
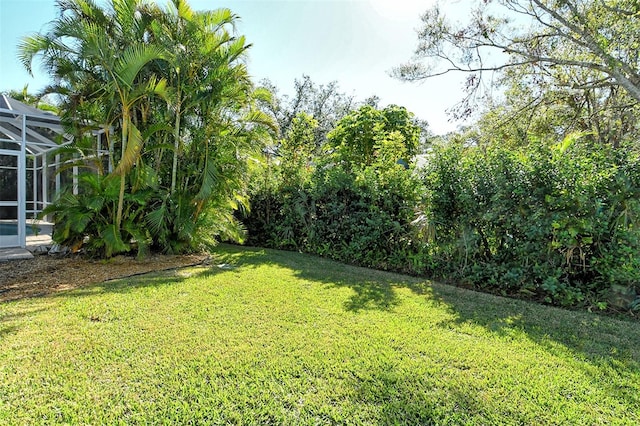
127 284
400 395
413 400
9 320
617 344
7 329
372 289
617 339
606 349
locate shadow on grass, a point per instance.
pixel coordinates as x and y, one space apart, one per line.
9 320
413 400
592 336
610 345
132 283
372 289
595 337
598 339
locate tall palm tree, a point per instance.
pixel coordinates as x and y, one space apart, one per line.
163 79
96 56
211 93
200 50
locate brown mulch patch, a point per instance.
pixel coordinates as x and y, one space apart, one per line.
44 274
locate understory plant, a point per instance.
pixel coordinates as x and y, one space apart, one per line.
83 218
153 221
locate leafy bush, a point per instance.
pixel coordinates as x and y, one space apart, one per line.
355 211
85 219
554 222
152 219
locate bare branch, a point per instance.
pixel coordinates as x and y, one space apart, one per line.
572 34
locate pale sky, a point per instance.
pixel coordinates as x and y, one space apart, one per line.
354 42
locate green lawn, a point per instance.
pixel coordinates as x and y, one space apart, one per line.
284 338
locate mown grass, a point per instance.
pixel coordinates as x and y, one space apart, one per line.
284 338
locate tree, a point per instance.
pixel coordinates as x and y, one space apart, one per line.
296 151
545 111
78 43
355 137
201 55
325 103
539 37
355 202
166 80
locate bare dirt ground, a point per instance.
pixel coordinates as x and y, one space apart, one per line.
45 274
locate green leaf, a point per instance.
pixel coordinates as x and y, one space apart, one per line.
113 240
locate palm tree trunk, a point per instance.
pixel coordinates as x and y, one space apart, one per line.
125 129
176 141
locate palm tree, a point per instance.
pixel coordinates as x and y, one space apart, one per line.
102 67
211 91
200 49
163 79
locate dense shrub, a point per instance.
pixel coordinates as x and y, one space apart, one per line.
362 218
555 222
355 203
153 220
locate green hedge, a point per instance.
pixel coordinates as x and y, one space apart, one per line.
363 219
557 224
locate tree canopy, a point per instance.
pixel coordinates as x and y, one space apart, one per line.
324 102
356 138
568 44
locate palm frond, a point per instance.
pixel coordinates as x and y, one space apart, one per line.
29 47
157 218
210 176
183 10
132 60
214 20
132 151
113 242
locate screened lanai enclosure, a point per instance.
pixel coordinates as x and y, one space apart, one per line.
27 172
32 170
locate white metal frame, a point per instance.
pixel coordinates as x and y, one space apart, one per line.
16 127
11 240
29 127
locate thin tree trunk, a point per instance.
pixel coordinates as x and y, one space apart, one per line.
125 129
176 142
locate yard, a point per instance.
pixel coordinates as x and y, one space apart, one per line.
270 337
